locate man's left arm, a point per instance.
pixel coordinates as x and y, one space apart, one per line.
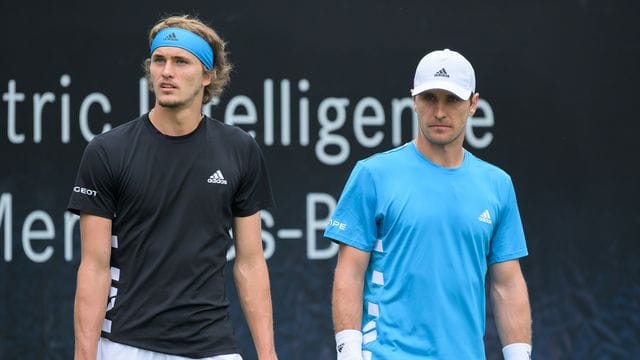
512 312
252 283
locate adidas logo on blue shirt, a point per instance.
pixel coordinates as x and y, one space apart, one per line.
485 217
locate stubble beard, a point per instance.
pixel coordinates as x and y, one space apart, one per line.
171 104
434 140
179 103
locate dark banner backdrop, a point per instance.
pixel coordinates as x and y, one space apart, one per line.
321 85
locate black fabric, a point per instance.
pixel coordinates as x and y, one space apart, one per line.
172 201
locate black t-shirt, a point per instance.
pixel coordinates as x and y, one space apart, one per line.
172 201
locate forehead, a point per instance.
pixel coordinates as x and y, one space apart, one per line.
170 51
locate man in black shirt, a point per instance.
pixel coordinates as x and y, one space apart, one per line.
157 198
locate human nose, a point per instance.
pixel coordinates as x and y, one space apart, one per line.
167 69
440 112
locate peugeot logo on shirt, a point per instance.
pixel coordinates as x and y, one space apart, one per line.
85 191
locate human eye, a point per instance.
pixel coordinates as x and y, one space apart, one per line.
429 97
453 99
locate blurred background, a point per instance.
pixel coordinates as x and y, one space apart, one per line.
321 85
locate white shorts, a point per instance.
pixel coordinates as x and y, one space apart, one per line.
109 350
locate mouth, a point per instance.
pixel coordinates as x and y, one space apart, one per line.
167 86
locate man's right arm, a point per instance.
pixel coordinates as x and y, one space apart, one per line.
93 283
347 298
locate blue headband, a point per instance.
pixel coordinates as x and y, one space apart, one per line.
184 39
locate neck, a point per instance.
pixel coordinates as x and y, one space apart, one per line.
448 156
175 122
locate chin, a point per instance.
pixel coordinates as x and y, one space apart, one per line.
441 141
170 103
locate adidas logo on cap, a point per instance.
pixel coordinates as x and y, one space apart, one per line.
441 73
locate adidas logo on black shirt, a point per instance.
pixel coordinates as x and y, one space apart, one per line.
217 178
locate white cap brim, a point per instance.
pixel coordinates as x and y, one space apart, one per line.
458 91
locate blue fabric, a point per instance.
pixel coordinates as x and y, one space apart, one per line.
184 39
432 232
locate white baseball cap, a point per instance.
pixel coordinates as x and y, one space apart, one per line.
447 70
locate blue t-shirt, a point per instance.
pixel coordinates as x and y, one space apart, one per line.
432 232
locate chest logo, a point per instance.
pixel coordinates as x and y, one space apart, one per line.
217 178
485 217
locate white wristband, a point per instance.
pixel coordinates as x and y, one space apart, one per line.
517 351
349 345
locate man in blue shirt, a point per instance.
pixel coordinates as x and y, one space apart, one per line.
418 228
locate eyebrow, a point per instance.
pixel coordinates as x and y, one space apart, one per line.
448 94
179 57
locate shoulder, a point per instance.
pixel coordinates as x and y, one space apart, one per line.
228 133
380 166
118 136
487 170
386 157
383 160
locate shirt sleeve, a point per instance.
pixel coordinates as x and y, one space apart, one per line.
508 241
93 190
254 192
354 222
